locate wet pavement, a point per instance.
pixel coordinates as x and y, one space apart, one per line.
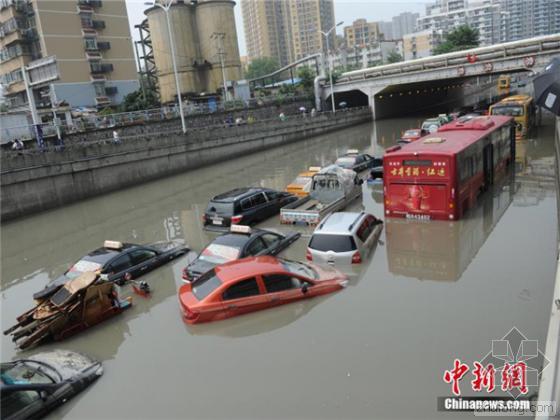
428 293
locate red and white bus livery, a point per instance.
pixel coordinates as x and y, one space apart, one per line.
441 175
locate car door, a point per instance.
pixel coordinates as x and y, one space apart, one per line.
274 202
274 243
244 296
27 404
143 260
283 288
118 267
255 247
263 206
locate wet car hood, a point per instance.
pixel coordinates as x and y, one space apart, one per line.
199 267
67 363
166 246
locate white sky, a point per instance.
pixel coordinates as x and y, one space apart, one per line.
345 10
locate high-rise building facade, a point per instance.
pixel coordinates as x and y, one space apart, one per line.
287 30
90 40
361 33
485 16
385 30
403 24
529 18
421 44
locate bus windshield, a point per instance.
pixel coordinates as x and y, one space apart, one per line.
510 110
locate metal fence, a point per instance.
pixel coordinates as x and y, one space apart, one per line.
94 121
228 129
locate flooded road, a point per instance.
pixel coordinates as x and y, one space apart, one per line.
430 292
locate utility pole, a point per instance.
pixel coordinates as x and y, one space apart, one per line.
219 38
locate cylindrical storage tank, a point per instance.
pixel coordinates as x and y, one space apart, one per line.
185 37
215 21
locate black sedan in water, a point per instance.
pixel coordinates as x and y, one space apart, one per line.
241 242
34 386
358 162
120 262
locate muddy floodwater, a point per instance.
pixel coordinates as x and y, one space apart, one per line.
428 293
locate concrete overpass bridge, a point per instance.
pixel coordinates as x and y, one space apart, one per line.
410 85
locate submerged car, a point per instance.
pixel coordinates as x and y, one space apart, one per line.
34 386
252 284
344 238
244 206
241 242
412 135
120 262
357 161
302 184
432 125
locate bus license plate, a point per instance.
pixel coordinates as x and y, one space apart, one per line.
418 216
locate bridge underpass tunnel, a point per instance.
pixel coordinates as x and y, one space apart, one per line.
425 98
352 99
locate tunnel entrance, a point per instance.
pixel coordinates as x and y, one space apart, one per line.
352 98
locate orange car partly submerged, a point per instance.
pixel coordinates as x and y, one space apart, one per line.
252 284
301 185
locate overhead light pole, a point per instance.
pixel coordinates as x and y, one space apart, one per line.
326 35
165 6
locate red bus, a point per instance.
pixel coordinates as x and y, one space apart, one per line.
441 175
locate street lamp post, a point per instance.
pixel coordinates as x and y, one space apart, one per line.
326 35
165 7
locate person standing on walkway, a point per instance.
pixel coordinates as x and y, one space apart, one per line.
116 138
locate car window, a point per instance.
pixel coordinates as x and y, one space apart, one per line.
205 284
258 199
244 288
270 239
120 264
364 230
219 254
246 204
140 255
255 247
359 159
220 208
336 243
14 402
279 282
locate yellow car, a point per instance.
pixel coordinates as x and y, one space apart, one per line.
301 185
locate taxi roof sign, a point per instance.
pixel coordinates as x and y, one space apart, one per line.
240 229
314 168
113 244
352 151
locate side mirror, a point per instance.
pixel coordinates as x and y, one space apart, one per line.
304 288
104 276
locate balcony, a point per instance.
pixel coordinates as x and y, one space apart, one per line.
100 68
104 46
93 56
102 100
111 90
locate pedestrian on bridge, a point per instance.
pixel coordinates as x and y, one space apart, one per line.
116 138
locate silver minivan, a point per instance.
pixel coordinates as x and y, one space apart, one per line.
344 238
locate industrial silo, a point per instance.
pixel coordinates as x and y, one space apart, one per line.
183 27
217 35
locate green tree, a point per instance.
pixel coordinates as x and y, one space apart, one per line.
137 101
306 75
394 57
261 67
461 38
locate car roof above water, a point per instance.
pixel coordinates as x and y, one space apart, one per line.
103 254
339 223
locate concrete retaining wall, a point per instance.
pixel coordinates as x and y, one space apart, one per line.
39 181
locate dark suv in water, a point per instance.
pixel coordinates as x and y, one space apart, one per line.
244 206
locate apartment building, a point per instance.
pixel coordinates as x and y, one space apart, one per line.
421 44
368 56
529 18
90 40
403 24
361 33
486 16
287 30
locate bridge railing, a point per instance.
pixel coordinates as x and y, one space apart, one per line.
524 47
